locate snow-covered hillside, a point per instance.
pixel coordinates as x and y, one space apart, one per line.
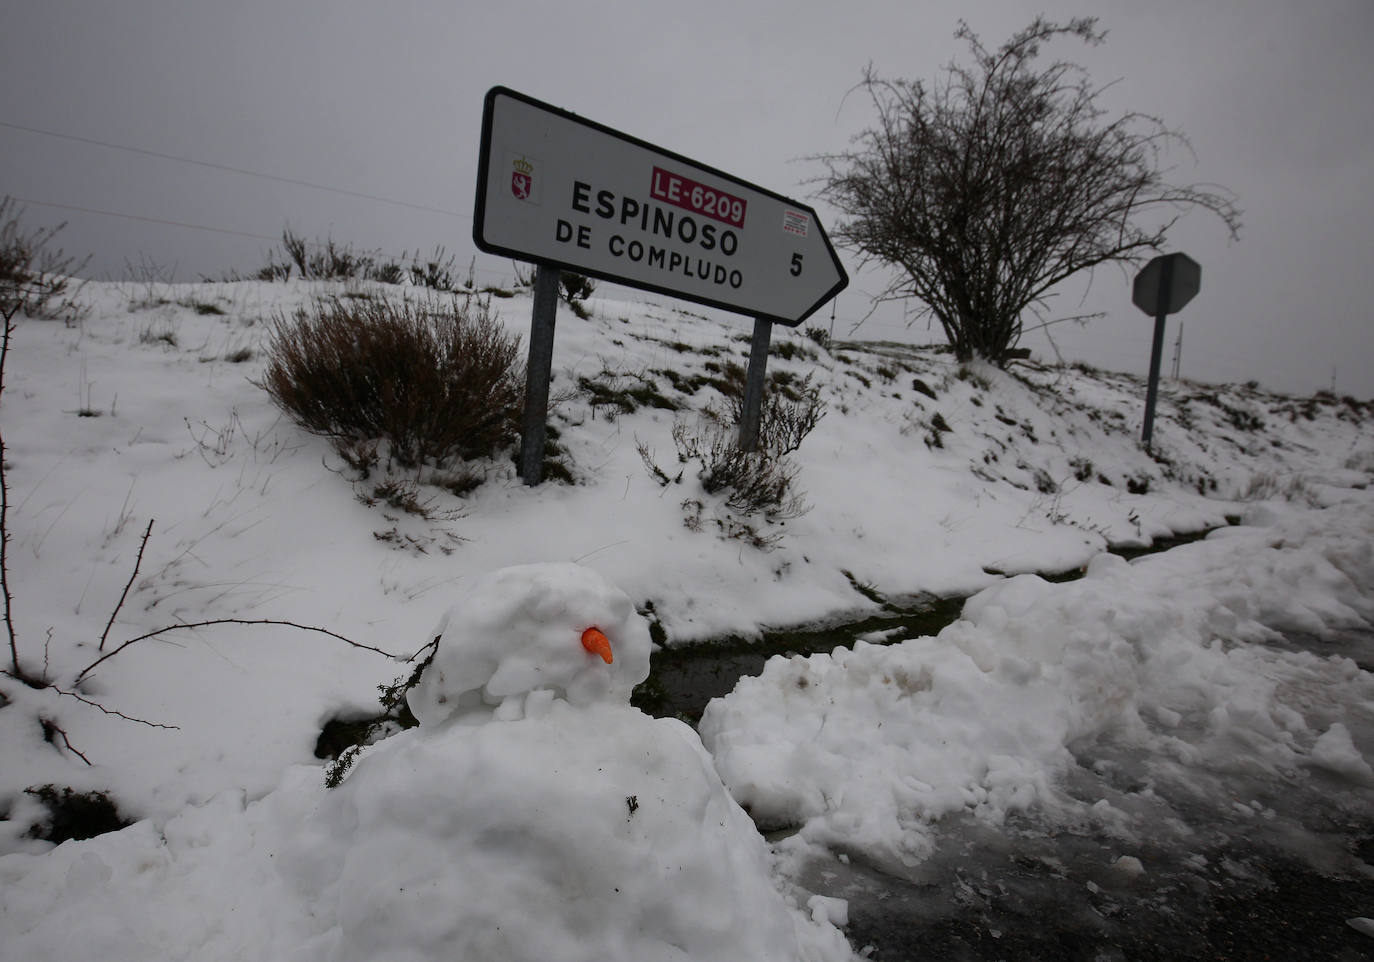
923 477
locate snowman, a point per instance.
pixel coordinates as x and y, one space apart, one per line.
535 815
525 637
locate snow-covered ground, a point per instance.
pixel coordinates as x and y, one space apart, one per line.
868 749
505 827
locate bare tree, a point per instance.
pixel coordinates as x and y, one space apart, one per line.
35 278
1002 179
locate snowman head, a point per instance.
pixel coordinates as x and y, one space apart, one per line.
558 630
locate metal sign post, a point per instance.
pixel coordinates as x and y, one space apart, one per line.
1166 279
1162 288
537 374
751 416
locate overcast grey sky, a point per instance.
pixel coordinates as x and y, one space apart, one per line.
385 99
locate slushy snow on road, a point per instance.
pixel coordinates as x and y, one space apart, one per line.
1164 658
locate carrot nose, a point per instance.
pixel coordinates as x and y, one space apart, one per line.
597 643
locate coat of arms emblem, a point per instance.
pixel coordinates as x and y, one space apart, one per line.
522 179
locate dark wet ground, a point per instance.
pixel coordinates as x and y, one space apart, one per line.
1290 914
684 679
1233 864
1028 892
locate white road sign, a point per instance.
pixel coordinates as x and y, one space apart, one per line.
559 189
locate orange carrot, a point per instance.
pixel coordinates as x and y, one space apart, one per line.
597 643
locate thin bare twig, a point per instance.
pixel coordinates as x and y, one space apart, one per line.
4 520
137 562
51 728
110 711
433 644
229 621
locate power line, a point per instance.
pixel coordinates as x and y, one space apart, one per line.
215 230
236 170
148 220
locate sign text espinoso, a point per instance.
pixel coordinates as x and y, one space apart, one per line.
630 214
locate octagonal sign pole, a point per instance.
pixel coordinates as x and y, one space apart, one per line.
1162 288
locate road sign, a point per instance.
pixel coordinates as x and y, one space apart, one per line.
1162 288
558 189
1169 279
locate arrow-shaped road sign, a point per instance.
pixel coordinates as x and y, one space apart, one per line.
561 190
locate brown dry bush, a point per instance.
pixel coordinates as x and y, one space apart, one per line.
436 382
762 481
755 485
791 408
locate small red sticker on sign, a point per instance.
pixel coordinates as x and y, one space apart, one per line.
795 222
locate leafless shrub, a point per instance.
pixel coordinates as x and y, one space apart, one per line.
646 455
435 382
329 260
1267 486
759 484
575 289
791 409
754 482
459 482
161 330
36 279
820 336
361 456
727 526
786 422
1002 178
434 272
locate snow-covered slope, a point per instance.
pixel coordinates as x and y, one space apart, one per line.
922 477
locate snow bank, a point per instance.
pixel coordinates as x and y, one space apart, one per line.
865 749
593 833
559 824
585 834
